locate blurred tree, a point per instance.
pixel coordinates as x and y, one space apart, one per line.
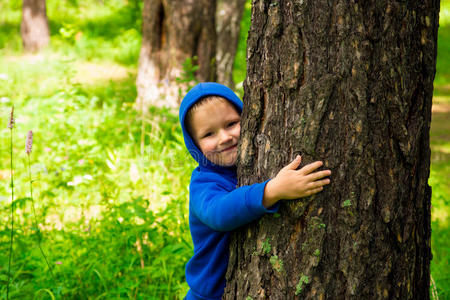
34 26
349 83
173 32
228 26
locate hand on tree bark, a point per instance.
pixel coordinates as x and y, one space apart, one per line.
291 183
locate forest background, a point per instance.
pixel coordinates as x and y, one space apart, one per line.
110 184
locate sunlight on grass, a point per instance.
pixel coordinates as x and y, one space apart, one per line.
93 73
444 148
94 186
444 14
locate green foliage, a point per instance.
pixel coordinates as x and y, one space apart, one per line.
276 263
299 287
440 200
443 63
113 218
129 251
187 80
92 30
266 246
346 203
240 66
304 245
440 161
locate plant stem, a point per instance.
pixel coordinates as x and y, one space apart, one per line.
12 218
35 218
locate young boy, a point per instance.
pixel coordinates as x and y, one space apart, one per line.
210 120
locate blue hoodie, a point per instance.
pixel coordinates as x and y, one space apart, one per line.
216 206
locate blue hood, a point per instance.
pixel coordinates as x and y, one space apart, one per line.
198 92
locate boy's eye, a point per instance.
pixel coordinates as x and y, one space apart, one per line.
232 124
207 134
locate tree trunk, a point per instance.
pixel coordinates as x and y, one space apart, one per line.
174 31
349 83
34 26
228 27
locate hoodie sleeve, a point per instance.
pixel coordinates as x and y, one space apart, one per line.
224 210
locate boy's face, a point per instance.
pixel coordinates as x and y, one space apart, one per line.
216 129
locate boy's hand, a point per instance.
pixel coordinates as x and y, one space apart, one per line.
292 184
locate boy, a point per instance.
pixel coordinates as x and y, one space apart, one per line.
210 120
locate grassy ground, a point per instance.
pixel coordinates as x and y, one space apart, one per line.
98 166
440 159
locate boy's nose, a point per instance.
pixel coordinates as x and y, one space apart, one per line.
224 136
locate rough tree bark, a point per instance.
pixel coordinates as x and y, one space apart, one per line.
34 26
228 26
174 31
349 83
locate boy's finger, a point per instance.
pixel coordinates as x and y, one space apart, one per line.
319 183
317 175
295 163
314 191
311 167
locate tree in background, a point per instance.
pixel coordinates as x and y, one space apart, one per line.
34 26
228 26
349 83
174 31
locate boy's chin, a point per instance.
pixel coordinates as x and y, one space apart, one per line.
228 165
229 162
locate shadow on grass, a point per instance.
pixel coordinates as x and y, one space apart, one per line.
440 127
109 26
10 35
443 57
442 90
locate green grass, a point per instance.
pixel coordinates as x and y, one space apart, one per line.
443 63
440 160
240 66
106 204
110 187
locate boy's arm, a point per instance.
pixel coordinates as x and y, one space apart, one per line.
224 210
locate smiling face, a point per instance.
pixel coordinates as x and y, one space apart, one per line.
216 129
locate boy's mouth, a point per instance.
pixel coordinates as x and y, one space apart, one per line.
229 148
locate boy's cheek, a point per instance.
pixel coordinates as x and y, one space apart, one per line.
211 155
238 132
206 148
